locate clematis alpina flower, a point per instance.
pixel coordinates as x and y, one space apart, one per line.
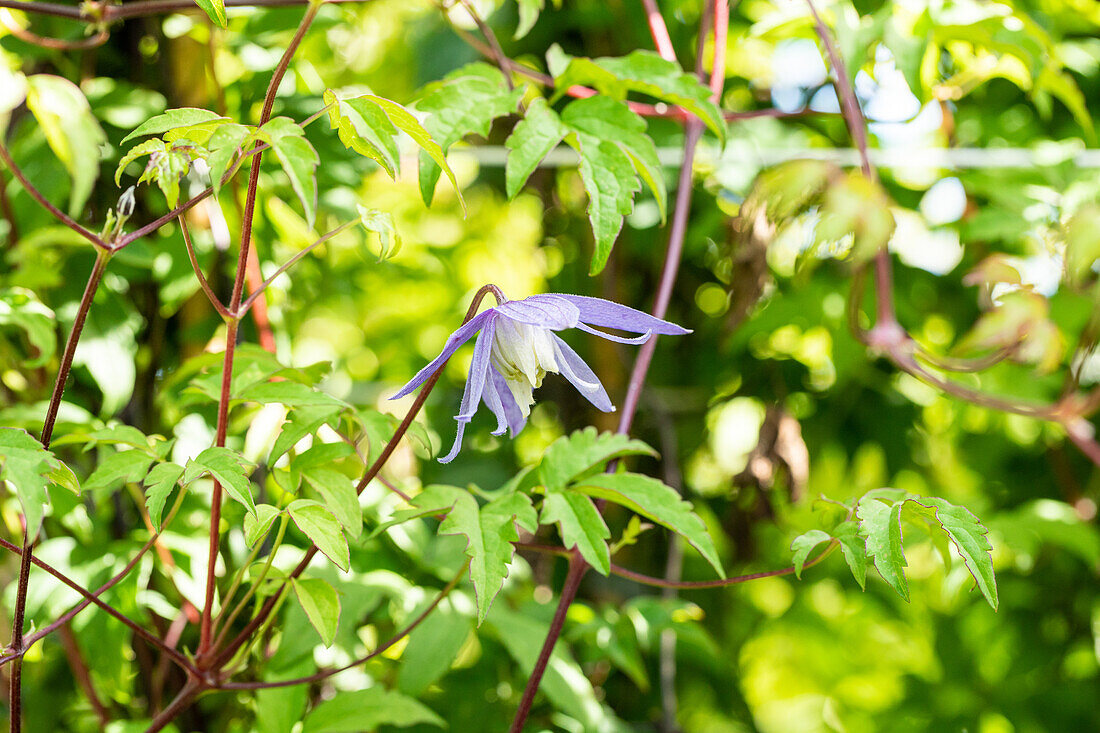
517 347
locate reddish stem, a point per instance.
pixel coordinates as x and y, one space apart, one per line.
205 625
684 584
37 196
658 30
577 569
93 597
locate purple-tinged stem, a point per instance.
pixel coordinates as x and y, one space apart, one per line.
210 295
205 625
93 597
17 642
37 196
577 569
673 253
9 213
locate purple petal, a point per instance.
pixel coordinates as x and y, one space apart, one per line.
492 400
599 312
475 385
512 414
479 369
548 311
457 444
612 337
456 339
581 376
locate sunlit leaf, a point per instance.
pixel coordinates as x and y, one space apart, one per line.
581 526
338 497
174 119
228 468
159 484
71 130
362 710
256 526
119 468
582 451
641 71
322 528
298 159
652 499
490 531
215 9
466 101
534 136
880 524
25 465
321 604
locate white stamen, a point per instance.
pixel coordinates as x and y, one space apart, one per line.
523 354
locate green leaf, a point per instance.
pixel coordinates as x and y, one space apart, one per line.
601 122
159 484
381 223
609 180
256 526
489 530
223 146
20 308
466 101
321 604
25 465
362 126
652 499
565 684
339 497
854 549
291 394
321 455
72 131
432 648
880 524
122 467
298 159
411 126
302 421
365 710
215 9
584 451
531 140
1082 235
528 15
174 119
228 468
323 529
581 526
646 72
970 538
149 147
803 545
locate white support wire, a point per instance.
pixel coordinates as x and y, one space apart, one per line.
494 156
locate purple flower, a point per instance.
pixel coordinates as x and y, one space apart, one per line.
517 347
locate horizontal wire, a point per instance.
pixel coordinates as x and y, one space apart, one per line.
494 156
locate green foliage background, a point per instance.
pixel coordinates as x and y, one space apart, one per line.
777 654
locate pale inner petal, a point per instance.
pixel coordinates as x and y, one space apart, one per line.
523 354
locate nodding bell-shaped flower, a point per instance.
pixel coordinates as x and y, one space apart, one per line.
516 348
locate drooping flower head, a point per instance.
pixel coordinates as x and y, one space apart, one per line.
516 347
